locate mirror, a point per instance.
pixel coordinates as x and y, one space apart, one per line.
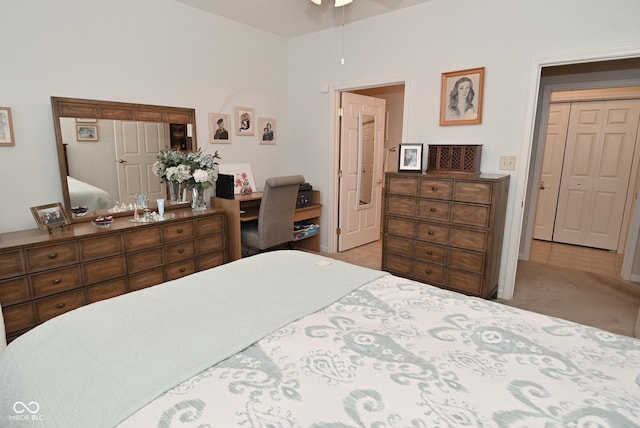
106 150
366 152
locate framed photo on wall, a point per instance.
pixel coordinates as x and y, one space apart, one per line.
6 127
219 125
267 130
245 121
410 158
87 132
461 97
50 216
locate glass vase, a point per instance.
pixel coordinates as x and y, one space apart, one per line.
174 192
198 202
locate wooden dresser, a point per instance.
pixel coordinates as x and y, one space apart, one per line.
43 275
445 230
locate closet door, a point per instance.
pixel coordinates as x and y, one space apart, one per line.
595 177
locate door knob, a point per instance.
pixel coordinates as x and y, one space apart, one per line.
542 185
121 161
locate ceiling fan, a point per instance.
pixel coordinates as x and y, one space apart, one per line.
338 3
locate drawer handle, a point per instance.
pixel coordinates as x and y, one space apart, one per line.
429 253
60 305
182 270
434 188
53 256
428 271
181 250
432 210
179 231
431 232
57 281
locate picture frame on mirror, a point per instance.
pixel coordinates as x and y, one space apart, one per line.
86 132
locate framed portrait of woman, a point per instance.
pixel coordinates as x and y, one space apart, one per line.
410 158
245 121
461 97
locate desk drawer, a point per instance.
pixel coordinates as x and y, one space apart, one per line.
52 256
179 251
43 284
56 305
209 226
12 264
14 291
180 269
100 247
104 269
18 317
178 231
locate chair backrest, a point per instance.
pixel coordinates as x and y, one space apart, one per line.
277 210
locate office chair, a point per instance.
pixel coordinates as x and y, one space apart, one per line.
275 218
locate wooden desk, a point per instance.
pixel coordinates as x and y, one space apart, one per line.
246 208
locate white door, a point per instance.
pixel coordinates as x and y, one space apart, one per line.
137 147
361 150
549 186
595 178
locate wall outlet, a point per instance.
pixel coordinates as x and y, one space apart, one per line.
508 162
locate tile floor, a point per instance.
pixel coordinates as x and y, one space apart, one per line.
601 262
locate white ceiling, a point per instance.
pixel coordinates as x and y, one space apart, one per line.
291 18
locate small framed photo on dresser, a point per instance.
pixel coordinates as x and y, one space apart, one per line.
410 158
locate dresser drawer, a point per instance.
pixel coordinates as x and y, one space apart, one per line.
18 317
466 260
402 186
476 215
57 305
103 246
210 225
472 191
46 283
211 243
466 282
179 251
210 260
14 291
436 189
401 205
430 252
144 238
180 269
12 264
400 227
102 270
52 256
468 238
178 231
395 245
432 232
397 265
144 260
146 279
106 290
429 272
433 210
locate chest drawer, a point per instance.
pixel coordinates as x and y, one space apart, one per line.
430 252
402 185
179 251
106 290
103 246
397 265
178 231
433 210
209 260
435 189
467 238
401 205
210 225
432 232
180 269
465 282
211 243
12 264
102 270
141 239
51 256
57 305
472 191
466 260
476 215
146 279
18 317
429 272
396 245
14 291
56 281
400 227
143 260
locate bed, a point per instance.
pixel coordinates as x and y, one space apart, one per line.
292 339
83 194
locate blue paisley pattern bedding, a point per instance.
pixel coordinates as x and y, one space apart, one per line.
396 353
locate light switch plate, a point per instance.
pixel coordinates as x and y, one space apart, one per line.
508 162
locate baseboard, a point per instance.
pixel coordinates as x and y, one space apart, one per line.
634 278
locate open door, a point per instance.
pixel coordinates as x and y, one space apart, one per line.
361 175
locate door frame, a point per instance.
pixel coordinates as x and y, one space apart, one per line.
335 92
536 107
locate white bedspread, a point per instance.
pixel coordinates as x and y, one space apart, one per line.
87 195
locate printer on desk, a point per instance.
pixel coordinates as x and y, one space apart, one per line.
304 195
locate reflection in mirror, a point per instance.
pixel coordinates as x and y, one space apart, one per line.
366 150
106 150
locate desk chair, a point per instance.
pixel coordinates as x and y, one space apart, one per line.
275 218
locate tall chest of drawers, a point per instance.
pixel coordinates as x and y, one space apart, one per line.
44 275
445 230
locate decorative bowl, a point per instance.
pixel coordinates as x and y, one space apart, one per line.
103 222
79 211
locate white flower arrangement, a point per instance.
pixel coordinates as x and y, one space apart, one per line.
195 169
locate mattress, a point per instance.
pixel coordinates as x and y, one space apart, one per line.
390 352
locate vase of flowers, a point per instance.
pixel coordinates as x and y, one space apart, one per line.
170 167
